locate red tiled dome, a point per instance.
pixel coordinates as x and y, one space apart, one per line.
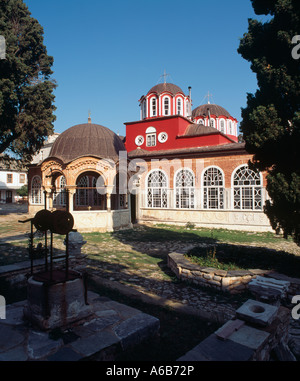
169 87
214 110
87 140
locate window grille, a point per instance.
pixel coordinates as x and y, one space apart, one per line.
247 189
36 190
157 194
81 192
185 189
213 189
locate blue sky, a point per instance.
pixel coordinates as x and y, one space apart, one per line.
107 54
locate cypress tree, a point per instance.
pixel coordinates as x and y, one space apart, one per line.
26 87
271 120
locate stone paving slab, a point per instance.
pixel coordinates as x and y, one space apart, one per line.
214 349
250 337
112 325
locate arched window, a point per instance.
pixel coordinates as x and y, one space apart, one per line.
82 191
212 123
222 126
151 137
230 131
36 190
213 189
200 121
90 192
153 107
185 189
179 106
247 189
61 198
144 109
157 190
166 105
187 109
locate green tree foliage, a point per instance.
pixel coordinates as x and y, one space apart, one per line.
26 87
271 121
23 191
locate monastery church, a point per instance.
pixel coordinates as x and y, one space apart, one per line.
176 165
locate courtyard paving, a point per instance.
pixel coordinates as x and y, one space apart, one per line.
152 281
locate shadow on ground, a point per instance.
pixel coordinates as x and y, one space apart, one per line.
242 256
18 209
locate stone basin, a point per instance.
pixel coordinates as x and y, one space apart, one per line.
257 312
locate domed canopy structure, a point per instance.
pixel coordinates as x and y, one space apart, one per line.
213 109
87 139
162 87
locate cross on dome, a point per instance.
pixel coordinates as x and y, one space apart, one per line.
165 75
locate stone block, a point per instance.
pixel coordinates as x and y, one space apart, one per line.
39 345
136 329
93 344
250 337
256 312
228 328
213 349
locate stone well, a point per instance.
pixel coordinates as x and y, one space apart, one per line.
53 304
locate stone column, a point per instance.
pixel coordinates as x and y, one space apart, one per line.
49 198
70 194
108 198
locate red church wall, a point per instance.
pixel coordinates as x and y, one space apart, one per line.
174 126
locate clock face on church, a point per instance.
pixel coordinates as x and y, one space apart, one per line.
162 137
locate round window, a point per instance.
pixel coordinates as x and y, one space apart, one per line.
139 140
162 137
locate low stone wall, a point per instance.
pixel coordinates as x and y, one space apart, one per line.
233 281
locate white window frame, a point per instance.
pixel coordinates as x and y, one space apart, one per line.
166 97
179 106
157 196
216 189
61 198
184 193
151 139
36 191
248 193
153 107
144 109
222 124
21 177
